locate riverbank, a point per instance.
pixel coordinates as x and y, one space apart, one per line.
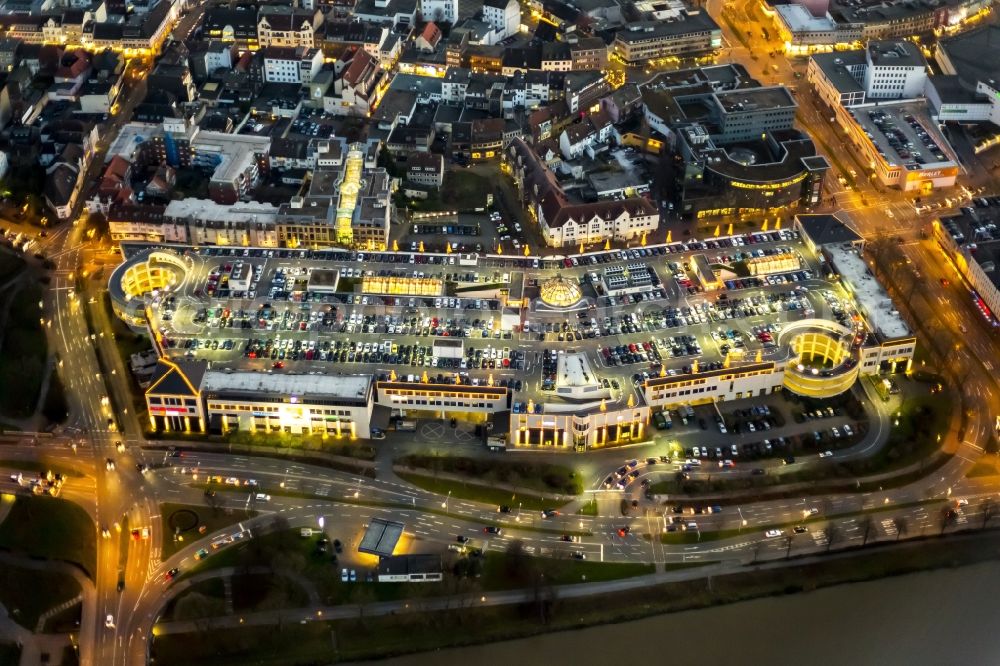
557 609
922 619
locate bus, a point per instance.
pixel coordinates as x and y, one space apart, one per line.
496 443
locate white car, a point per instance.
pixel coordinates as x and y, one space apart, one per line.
109 621
770 534
826 454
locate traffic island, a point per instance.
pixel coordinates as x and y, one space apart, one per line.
518 476
185 523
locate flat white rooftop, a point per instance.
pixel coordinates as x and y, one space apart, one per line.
301 388
206 209
799 19
130 136
869 295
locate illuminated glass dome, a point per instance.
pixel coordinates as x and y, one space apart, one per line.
560 293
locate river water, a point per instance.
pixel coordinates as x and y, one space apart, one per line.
941 618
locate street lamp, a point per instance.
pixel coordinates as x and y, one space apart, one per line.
444 504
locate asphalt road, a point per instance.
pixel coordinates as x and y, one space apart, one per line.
110 495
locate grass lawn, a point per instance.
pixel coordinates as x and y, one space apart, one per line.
23 355
497 569
273 646
51 528
10 265
588 509
213 518
254 592
306 442
522 475
984 467
287 549
206 598
371 637
920 422
478 493
462 191
27 593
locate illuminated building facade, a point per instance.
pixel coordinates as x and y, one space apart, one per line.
187 397
735 150
580 429
808 26
564 223
348 204
173 398
427 399
642 41
971 241
901 144
328 405
780 172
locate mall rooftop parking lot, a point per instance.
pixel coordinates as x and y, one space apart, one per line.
353 313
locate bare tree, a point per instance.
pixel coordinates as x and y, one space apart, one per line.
867 525
948 516
901 524
832 533
989 508
362 595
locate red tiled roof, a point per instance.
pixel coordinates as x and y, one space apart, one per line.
431 33
359 65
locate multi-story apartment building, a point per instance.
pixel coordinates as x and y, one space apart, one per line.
646 40
285 26
504 16
284 64
564 223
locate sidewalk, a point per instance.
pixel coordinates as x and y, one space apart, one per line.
481 599
229 572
